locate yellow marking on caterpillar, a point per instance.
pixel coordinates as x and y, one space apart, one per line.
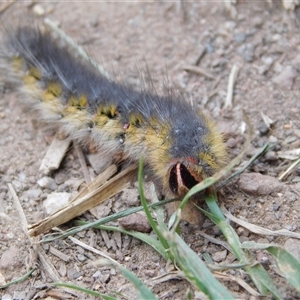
215 140
54 88
17 63
29 80
80 102
35 73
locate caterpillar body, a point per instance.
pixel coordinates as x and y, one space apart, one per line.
180 145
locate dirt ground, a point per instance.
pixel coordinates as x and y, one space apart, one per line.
263 41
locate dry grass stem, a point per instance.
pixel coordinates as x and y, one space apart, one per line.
199 71
230 87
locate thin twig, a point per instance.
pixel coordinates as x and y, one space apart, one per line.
198 70
22 218
289 169
230 87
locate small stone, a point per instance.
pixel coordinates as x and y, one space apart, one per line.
291 197
270 156
131 197
293 246
38 10
60 178
10 258
17 185
241 231
286 78
7 297
219 256
34 194
62 270
273 140
231 143
263 129
81 257
240 37
258 184
247 52
113 272
73 274
257 22
47 183
137 222
97 274
150 273
105 278
230 25
56 201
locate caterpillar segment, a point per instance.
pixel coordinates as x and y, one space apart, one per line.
180 145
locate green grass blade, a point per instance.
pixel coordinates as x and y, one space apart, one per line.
18 280
195 270
84 290
258 274
287 264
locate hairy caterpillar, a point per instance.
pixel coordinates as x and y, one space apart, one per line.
180 145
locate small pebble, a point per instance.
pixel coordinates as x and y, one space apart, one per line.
34 194
81 257
97 274
271 156
257 22
219 256
60 178
240 37
131 197
286 78
56 201
231 143
47 183
38 10
263 129
137 222
73 274
258 184
247 52
273 140
105 278
10 259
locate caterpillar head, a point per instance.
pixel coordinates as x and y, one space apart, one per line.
183 175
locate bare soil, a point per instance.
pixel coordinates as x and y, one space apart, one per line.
263 41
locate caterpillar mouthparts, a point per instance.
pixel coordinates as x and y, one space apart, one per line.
180 145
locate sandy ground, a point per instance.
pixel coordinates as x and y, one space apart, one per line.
262 41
